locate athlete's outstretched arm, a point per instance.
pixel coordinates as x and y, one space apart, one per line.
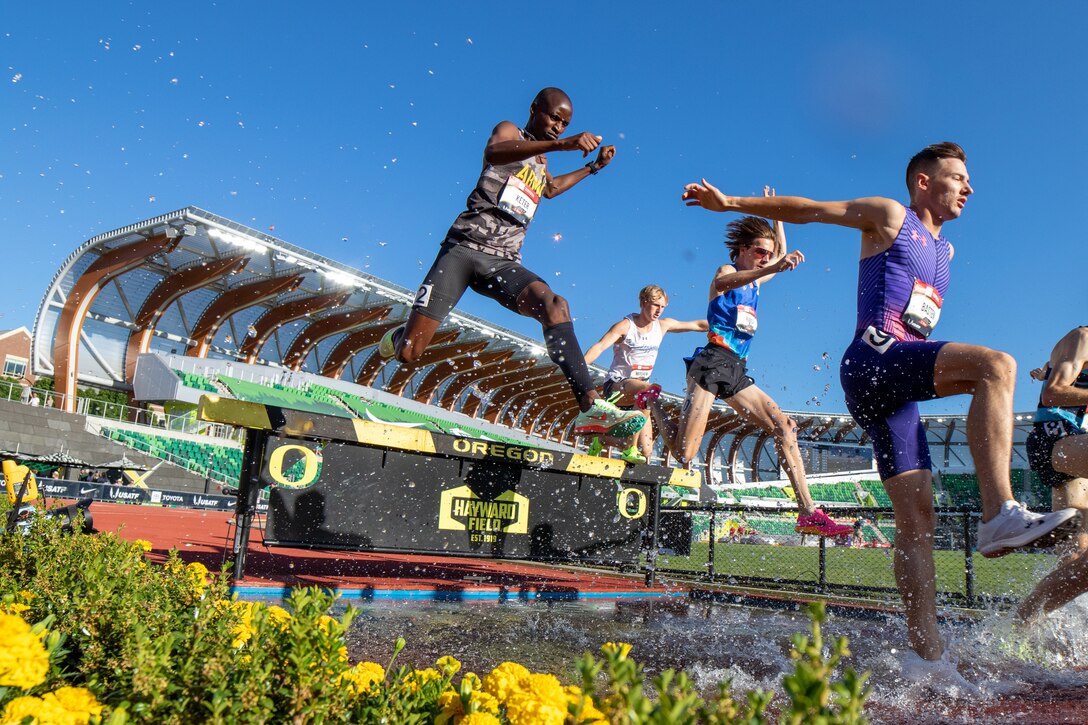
729 277
779 236
610 338
1067 361
872 214
668 324
556 185
505 145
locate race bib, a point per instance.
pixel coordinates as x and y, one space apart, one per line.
923 309
519 199
641 372
746 319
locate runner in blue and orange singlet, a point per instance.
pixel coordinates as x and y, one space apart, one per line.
892 364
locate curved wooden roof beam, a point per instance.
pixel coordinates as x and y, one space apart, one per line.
353 342
280 315
464 380
451 368
168 291
494 385
399 380
101 272
326 327
374 364
233 301
521 403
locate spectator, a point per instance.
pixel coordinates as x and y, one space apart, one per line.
35 401
24 394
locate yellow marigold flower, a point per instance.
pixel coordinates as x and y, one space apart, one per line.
547 689
79 703
452 709
16 608
622 649
574 696
473 680
480 718
198 575
143 544
279 616
480 701
24 661
418 678
363 677
243 629
25 595
448 665
522 708
505 678
22 707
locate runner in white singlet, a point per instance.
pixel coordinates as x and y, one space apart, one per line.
635 341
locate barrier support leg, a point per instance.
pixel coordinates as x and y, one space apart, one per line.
249 487
655 523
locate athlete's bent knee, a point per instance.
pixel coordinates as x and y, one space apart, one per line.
556 310
998 367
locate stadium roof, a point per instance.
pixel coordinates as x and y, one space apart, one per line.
197 284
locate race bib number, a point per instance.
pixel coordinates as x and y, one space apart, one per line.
746 319
924 309
641 372
423 295
519 200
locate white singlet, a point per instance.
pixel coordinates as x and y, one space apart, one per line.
635 354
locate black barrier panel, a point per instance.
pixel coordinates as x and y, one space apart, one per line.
347 496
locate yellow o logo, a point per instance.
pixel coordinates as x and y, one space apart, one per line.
275 466
624 497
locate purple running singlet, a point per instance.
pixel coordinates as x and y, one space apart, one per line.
890 364
888 283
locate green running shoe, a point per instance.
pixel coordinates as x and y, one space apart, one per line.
605 418
387 346
595 448
632 455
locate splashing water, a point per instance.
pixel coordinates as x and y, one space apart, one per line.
1022 674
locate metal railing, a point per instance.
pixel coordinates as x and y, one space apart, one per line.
119 412
727 546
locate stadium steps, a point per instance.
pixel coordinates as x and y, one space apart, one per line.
41 430
225 462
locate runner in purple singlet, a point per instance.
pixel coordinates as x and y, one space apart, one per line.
892 364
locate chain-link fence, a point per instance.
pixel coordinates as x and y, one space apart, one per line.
756 547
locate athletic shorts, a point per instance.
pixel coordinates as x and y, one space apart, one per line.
719 371
884 379
611 385
1040 446
457 268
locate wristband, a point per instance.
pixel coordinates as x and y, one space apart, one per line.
593 167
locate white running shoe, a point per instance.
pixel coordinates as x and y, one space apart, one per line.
1015 527
605 418
387 346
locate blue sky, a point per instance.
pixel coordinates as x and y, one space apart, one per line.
356 131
